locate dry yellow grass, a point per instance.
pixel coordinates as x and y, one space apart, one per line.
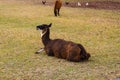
97 30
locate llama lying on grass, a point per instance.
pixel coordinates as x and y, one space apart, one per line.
61 48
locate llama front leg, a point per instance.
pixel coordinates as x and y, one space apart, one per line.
39 51
49 52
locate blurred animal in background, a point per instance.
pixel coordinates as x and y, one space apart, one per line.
57 6
66 3
43 2
87 4
78 4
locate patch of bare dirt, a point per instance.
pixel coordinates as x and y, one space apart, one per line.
96 5
102 5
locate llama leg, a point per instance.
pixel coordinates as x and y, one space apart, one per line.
49 52
55 12
39 51
58 55
73 57
58 12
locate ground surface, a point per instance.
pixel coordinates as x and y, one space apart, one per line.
110 5
98 30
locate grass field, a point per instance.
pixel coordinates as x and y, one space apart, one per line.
97 30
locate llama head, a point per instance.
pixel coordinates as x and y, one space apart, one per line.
43 28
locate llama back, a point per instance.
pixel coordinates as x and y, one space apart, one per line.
65 49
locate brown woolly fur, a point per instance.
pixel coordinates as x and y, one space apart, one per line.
61 48
58 4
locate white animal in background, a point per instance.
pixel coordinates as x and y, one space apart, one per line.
87 4
79 4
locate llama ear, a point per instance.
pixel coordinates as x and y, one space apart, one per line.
50 24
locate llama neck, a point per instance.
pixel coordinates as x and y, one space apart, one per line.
45 37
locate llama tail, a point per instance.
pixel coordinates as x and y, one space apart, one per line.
83 53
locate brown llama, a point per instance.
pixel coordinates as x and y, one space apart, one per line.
43 2
66 3
61 48
57 6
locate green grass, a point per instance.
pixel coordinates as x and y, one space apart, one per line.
97 30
